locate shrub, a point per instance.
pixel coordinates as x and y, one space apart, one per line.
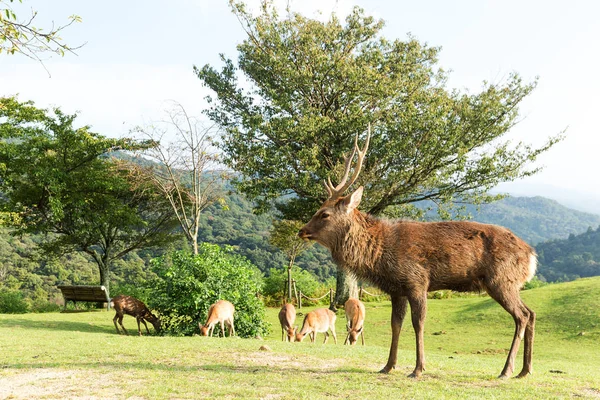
12 302
187 285
534 283
305 281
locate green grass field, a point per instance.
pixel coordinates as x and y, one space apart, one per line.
79 355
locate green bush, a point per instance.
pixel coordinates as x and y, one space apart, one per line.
12 302
534 283
306 282
187 285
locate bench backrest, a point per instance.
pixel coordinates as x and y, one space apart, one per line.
84 293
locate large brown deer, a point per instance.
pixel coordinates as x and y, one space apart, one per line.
287 317
221 312
355 317
406 259
319 320
134 307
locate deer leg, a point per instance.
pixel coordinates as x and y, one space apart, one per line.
121 323
332 328
115 322
528 345
362 335
231 327
222 328
398 313
511 302
347 337
326 337
418 310
146 325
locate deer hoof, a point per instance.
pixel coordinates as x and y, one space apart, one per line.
386 370
523 374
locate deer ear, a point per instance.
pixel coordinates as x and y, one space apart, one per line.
352 201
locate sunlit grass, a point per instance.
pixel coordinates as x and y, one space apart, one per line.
62 355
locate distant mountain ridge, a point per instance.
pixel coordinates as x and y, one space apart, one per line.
535 219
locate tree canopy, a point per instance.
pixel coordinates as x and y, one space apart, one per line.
301 89
60 180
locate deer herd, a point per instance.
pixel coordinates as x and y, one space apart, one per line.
406 259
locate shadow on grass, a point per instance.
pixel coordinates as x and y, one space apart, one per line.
70 326
212 368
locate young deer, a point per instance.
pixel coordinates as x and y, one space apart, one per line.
287 317
319 320
221 312
406 259
132 306
355 316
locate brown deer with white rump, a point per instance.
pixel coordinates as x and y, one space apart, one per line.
287 317
220 312
406 259
355 317
134 307
319 320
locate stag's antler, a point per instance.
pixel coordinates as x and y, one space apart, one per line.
336 192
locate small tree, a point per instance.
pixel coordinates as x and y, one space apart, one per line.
284 235
187 285
182 167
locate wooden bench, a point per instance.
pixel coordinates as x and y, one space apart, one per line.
77 293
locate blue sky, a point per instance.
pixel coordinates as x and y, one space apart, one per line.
139 54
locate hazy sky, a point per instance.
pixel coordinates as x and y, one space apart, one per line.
139 54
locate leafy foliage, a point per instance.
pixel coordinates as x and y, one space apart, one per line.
19 36
60 181
572 258
187 285
12 302
313 85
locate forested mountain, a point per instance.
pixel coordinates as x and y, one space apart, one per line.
535 219
572 258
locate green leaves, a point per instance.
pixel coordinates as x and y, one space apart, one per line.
60 180
187 285
310 86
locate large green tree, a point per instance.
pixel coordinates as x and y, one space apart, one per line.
308 87
60 180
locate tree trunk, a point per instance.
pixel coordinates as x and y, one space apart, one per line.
104 276
290 265
346 286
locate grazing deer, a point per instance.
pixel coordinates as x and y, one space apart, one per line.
221 312
406 259
319 320
287 317
134 307
355 317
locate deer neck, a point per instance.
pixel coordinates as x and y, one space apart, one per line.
359 250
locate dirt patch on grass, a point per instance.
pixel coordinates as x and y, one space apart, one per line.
53 384
281 361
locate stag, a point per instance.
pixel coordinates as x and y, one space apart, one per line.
221 312
131 306
406 259
287 316
355 317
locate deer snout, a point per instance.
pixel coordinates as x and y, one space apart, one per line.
304 233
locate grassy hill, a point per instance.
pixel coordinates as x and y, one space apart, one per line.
466 339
